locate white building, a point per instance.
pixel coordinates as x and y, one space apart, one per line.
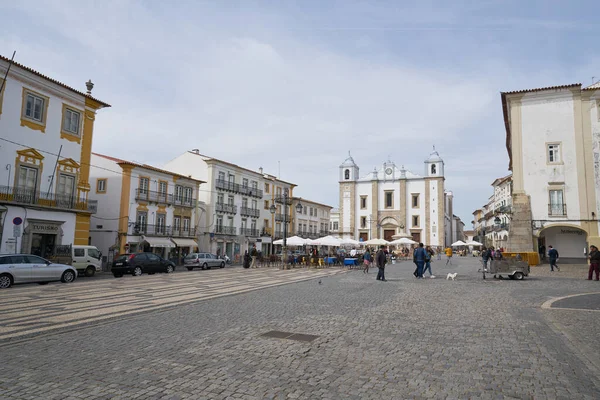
238 202
143 208
313 221
391 201
334 222
553 139
46 132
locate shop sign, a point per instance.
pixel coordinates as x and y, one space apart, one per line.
37 227
16 231
571 232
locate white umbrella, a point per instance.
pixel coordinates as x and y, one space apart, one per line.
474 243
349 241
292 241
327 241
459 243
403 241
376 242
402 235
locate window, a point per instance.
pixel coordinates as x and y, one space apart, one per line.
220 198
66 185
254 184
230 221
94 253
433 169
347 174
363 222
278 191
141 221
254 204
71 119
230 200
101 186
266 187
187 194
415 220
177 223
244 223
162 188
79 252
221 176
186 224
245 182
389 199
266 204
305 210
231 178
27 178
244 202
219 223
554 153
161 222
335 226
266 223
557 206
178 193
34 107
144 185
363 202
415 200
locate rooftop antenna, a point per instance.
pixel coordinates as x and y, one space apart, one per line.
8 69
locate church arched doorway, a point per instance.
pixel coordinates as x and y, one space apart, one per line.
569 240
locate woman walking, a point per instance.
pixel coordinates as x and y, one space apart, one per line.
367 261
428 254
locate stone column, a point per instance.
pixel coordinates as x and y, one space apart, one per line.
520 237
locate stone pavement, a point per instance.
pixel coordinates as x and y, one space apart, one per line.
401 339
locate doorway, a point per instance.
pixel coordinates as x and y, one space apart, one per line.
416 236
42 245
363 236
388 233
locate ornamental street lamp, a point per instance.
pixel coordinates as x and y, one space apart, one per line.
273 210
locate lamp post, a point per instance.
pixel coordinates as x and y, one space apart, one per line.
273 209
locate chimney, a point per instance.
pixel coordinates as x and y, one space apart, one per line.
260 169
89 86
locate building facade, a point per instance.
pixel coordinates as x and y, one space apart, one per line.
238 204
313 221
46 132
143 208
393 201
553 139
334 222
491 223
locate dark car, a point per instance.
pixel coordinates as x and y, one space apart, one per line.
138 263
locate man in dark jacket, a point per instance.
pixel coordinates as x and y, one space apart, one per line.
419 258
553 257
381 261
594 262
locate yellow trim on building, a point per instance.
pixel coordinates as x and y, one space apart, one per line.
29 122
124 206
30 158
89 116
82 229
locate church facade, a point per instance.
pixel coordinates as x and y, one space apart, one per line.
392 201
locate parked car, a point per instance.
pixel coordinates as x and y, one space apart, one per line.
138 263
202 260
23 268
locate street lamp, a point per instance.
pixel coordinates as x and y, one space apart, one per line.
273 210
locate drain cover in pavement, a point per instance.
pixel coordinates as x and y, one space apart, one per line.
289 335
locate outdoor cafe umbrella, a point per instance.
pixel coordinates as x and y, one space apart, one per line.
327 241
458 243
292 241
376 242
403 240
474 243
402 235
349 241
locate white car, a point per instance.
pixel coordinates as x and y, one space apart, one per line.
26 268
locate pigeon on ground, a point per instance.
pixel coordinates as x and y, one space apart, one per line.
320 283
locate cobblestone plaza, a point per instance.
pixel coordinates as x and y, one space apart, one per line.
400 339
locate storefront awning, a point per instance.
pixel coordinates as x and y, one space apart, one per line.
185 242
159 242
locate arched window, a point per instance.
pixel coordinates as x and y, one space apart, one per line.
433 169
347 174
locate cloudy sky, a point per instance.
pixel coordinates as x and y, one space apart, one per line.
304 82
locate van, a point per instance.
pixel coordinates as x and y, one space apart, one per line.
87 260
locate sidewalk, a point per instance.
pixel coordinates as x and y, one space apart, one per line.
575 271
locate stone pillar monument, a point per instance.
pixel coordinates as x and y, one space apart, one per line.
520 236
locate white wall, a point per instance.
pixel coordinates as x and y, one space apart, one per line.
595 125
549 120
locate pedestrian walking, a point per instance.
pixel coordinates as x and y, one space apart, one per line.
246 259
381 260
419 258
253 254
553 257
428 258
594 263
439 253
542 251
486 256
449 255
367 260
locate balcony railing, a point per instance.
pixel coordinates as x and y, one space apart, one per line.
266 232
282 217
281 199
250 212
501 227
226 208
23 196
161 230
237 188
164 198
324 233
225 230
249 232
557 209
279 234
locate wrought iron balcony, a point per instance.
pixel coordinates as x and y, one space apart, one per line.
282 217
313 235
324 233
501 227
250 212
279 234
557 210
225 230
157 197
161 230
226 208
249 232
237 188
23 196
282 199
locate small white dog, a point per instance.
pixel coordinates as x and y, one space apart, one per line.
451 276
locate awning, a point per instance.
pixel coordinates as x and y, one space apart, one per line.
158 242
185 242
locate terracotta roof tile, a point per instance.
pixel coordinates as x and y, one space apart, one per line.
53 80
544 88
